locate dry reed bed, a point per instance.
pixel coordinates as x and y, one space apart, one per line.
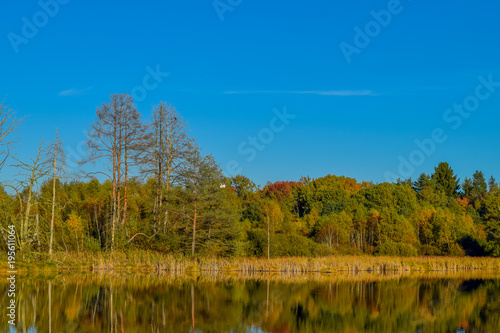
330 264
137 261
155 279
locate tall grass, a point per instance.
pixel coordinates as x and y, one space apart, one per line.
157 262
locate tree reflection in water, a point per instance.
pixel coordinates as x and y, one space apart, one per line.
152 303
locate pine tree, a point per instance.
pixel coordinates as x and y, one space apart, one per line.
479 187
422 182
492 184
446 180
467 186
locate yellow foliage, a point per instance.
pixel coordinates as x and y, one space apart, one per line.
75 226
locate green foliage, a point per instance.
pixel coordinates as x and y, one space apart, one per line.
92 245
327 215
243 186
479 187
492 184
334 229
282 245
490 212
446 180
391 248
429 250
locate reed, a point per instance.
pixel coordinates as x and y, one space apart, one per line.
149 261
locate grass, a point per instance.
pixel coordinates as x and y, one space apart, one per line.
146 261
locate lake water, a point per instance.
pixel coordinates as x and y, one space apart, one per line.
268 303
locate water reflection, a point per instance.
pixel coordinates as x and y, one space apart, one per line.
152 303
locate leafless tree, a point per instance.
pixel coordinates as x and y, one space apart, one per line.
167 148
32 172
8 125
113 137
56 159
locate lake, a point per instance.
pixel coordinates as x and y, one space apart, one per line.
265 303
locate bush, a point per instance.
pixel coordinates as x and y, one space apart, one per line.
92 245
455 250
391 248
429 250
282 245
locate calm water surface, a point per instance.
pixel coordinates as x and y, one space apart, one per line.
153 303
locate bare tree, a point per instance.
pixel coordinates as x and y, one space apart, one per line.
112 136
167 148
33 172
134 139
8 124
56 159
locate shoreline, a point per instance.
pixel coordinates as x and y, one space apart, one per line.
143 261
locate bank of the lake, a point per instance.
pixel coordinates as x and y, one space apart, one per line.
154 261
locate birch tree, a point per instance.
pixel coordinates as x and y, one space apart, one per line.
273 218
57 161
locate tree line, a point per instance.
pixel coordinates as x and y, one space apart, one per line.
145 184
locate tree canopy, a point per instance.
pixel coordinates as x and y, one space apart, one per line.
159 191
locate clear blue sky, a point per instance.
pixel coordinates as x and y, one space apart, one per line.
226 77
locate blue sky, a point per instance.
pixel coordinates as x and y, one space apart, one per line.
356 118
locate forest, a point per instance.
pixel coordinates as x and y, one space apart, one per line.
145 184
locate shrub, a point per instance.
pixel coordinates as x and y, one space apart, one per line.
391 248
91 244
282 245
455 250
429 250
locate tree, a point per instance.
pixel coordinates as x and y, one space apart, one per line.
167 148
467 186
243 186
334 229
133 137
56 154
8 125
422 182
492 184
273 218
113 137
200 180
479 187
360 223
33 172
445 179
490 212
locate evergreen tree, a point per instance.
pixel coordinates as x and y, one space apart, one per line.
491 215
492 184
422 182
467 187
479 187
446 180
